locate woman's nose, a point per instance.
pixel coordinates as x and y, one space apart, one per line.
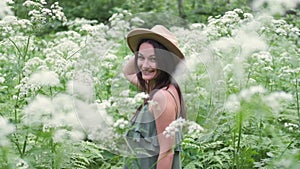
146 64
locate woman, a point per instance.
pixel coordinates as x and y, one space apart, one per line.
156 57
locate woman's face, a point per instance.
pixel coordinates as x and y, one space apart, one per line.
146 61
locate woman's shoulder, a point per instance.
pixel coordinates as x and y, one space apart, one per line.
163 100
165 93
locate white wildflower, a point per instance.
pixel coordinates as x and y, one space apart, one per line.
58 12
250 42
248 16
109 57
46 11
46 127
2 79
5 9
275 99
291 126
82 86
101 111
44 78
174 127
234 101
88 28
121 123
197 26
62 135
263 57
194 129
43 2
232 104
38 111
93 117
281 32
103 104
5 129
29 3
22 164
10 2
246 94
137 21
101 134
296 31
140 96
153 103
125 93
237 10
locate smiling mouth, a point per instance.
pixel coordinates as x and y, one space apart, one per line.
146 72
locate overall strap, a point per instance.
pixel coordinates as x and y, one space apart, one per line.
177 114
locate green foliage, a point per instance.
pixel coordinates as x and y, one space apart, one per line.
65 104
199 11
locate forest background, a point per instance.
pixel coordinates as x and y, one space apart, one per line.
64 102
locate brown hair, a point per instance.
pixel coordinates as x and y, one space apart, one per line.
166 63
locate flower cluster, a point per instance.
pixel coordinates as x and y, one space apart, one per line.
5 9
22 164
65 112
273 100
233 104
5 129
174 127
223 25
11 25
121 124
193 129
140 96
291 126
119 25
41 14
39 79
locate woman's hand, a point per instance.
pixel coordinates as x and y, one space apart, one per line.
130 73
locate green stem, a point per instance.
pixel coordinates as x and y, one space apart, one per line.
289 145
21 61
85 45
53 153
26 49
16 106
4 157
51 92
16 142
248 78
260 137
234 152
16 46
240 134
24 146
297 100
239 119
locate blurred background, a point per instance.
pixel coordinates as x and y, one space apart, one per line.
168 12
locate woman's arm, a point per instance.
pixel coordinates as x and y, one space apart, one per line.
164 113
129 72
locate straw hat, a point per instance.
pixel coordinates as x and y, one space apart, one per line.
158 33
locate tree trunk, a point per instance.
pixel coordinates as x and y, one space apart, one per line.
181 9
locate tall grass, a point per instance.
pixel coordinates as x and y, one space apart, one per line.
65 103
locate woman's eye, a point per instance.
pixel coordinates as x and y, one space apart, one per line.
152 59
140 57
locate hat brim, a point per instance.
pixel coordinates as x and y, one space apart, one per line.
136 35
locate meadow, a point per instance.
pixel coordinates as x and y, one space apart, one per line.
64 102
